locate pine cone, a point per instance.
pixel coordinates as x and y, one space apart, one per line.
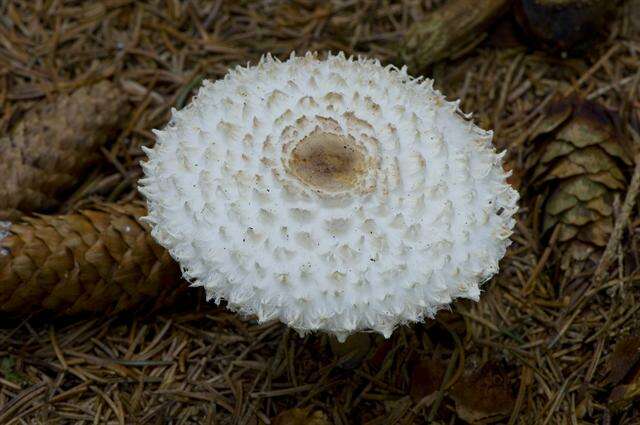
100 260
562 25
54 145
578 166
449 31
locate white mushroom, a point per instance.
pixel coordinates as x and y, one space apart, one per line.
335 195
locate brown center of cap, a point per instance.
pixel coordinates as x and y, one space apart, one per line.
327 161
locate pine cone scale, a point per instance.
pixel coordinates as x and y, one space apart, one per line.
578 167
54 145
100 260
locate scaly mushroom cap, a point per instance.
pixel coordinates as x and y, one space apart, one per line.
332 194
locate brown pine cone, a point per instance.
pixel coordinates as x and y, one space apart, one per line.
577 167
99 260
449 31
54 145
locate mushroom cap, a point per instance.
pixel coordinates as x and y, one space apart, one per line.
336 195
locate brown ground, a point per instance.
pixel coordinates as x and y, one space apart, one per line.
538 348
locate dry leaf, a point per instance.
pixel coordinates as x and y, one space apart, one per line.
304 416
485 395
353 350
382 348
426 378
624 372
625 356
515 179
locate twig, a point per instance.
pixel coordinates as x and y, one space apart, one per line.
621 222
528 288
